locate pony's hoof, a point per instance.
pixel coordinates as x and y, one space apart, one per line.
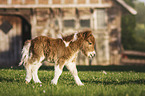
81 84
53 82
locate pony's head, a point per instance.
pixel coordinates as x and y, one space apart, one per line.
88 44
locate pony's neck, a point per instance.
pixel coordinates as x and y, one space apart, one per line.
76 45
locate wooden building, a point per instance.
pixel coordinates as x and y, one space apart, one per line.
25 19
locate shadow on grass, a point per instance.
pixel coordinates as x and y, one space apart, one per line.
106 68
112 68
139 81
140 68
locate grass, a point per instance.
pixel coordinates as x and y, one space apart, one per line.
119 81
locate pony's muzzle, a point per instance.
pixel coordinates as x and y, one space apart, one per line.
91 54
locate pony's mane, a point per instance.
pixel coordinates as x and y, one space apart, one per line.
73 37
70 37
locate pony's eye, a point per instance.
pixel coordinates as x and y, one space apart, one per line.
90 43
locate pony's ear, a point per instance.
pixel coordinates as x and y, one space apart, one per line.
87 34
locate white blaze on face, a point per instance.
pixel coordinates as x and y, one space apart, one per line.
91 54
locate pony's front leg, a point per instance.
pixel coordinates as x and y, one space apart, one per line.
57 73
72 68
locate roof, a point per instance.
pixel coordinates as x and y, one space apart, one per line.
63 4
129 8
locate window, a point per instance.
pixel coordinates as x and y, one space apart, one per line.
56 22
85 23
69 23
100 19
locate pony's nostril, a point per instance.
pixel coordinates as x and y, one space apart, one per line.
91 55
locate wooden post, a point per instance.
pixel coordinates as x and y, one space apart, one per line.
77 19
60 20
107 53
87 1
36 2
9 2
33 21
95 19
50 2
100 2
62 1
23 1
75 1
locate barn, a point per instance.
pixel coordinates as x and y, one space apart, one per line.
21 20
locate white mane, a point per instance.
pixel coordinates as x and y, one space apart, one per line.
68 42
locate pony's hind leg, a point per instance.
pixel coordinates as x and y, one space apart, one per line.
35 68
32 69
28 73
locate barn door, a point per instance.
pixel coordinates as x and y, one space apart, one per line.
10 40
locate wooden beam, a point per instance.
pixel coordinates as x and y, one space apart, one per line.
58 6
135 53
133 61
128 7
24 13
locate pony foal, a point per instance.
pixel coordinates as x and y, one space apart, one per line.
60 51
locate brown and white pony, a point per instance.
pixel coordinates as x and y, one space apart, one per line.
61 51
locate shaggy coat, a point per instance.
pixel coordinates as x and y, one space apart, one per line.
61 51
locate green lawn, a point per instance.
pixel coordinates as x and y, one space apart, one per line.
119 81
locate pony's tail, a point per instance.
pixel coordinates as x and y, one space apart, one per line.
25 53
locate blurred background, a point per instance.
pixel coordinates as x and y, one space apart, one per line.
118 27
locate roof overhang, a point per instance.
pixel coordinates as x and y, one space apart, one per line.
58 6
126 6
74 5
